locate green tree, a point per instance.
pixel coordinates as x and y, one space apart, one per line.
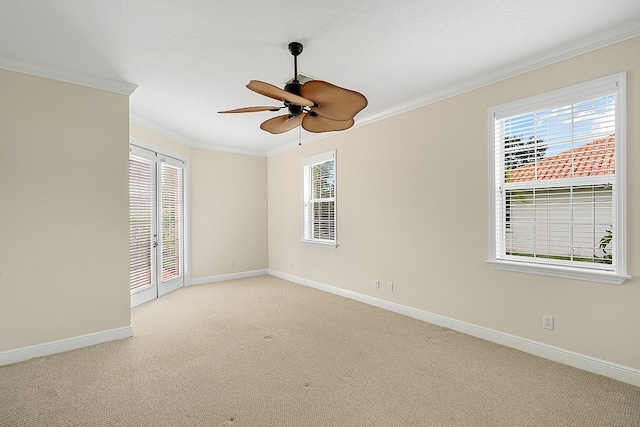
519 152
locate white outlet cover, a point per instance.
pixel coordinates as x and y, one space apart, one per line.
547 322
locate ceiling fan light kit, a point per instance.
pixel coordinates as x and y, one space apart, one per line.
316 105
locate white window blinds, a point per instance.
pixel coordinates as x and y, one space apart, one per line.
319 199
557 187
141 221
172 220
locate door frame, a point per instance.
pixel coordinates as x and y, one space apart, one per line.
137 147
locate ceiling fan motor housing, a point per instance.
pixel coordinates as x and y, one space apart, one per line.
294 87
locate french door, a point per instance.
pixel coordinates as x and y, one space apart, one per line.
156 224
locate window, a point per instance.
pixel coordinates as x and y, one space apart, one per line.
319 199
558 183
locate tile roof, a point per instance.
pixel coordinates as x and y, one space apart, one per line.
592 159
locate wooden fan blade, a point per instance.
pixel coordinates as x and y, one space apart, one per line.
320 124
333 102
252 109
275 92
281 124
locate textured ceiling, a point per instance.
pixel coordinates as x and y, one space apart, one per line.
192 58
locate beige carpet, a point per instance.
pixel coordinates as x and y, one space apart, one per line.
266 352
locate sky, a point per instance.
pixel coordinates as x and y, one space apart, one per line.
563 126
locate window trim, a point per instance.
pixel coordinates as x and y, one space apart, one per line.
571 94
309 161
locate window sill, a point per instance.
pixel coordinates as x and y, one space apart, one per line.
558 271
320 244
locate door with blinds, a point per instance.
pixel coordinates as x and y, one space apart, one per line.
156 224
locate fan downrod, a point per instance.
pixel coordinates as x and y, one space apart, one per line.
294 87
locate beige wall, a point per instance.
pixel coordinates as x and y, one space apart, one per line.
227 206
158 141
412 201
64 267
228 211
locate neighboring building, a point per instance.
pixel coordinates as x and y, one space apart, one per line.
593 159
590 214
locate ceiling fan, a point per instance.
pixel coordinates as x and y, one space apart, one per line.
317 105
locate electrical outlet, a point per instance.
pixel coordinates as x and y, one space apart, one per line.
232 263
547 322
376 284
390 287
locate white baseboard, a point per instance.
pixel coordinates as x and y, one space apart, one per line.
577 360
26 353
222 277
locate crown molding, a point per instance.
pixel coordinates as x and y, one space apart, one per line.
585 45
620 33
588 44
154 127
68 76
313 137
582 46
235 150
